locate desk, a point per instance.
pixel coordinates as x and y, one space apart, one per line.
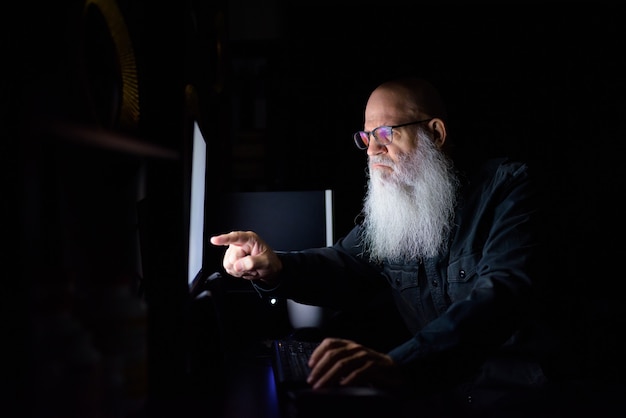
251 393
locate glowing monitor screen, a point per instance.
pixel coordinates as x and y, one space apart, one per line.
196 215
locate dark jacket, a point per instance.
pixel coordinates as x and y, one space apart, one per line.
466 310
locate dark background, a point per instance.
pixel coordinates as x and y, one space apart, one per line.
279 89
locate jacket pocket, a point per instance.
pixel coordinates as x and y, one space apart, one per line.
461 276
402 277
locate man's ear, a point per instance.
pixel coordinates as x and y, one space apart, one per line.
439 130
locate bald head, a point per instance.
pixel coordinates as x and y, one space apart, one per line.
406 100
417 95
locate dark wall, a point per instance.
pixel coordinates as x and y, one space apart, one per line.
543 85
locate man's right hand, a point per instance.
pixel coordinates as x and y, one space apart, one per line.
248 256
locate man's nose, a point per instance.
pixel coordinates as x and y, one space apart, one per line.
374 148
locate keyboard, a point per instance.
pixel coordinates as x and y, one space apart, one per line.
290 359
290 367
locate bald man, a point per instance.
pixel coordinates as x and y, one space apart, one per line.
453 257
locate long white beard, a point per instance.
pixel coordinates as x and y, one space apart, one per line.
409 213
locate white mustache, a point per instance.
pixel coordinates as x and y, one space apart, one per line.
380 160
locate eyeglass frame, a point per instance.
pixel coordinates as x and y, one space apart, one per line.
358 139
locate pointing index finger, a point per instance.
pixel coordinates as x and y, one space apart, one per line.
235 237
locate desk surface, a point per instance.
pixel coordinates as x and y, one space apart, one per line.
251 391
252 394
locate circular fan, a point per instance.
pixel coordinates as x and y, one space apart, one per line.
110 65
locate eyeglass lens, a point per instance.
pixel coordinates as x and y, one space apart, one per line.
383 134
362 139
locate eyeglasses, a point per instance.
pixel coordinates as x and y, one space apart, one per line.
383 135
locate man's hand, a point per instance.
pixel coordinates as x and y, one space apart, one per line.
248 256
343 362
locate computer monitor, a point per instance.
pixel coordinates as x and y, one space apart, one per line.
286 220
197 201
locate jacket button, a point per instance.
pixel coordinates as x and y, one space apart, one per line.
398 282
462 274
435 283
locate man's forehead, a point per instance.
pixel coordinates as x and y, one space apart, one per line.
391 102
389 113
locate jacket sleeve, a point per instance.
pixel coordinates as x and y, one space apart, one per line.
336 277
